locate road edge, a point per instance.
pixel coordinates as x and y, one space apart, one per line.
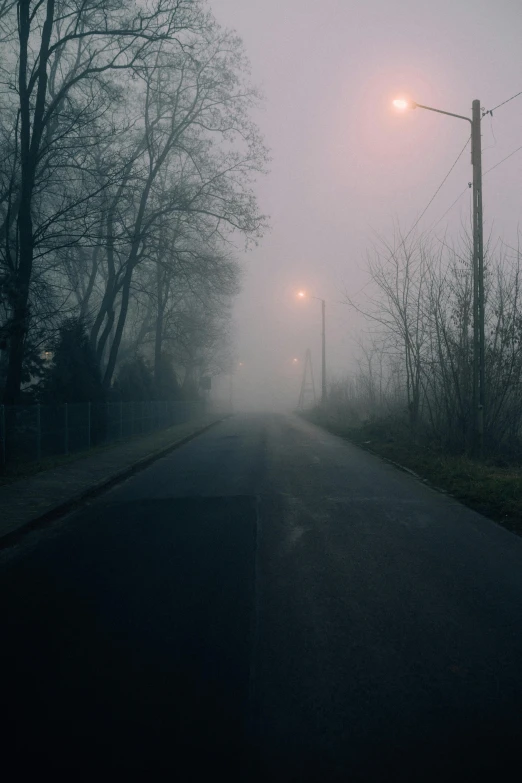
397 465
80 498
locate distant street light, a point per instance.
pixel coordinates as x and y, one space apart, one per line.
479 371
302 295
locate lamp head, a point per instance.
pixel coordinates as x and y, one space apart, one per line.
404 103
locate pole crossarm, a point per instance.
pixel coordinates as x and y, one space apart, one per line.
447 113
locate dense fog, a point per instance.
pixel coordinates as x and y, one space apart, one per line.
350 175
173 174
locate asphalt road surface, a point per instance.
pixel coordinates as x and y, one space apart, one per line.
268 602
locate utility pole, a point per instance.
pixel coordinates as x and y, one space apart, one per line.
479 338
307 387
302 295
479 373
323 373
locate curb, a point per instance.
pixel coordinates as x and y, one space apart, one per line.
74 502
398 465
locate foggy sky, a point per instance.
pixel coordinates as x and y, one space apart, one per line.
346 164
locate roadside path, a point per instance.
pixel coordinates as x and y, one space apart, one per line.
50 493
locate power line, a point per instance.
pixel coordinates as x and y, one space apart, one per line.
434 225
502 161
428 205
449 209
466 189
372 278
490 111
432 199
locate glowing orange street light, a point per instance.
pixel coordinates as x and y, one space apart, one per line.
403 103
301 294
295 361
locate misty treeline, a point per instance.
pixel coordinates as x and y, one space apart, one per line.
127 159
416 359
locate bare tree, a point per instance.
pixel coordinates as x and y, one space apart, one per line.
63 46
190 106
399 272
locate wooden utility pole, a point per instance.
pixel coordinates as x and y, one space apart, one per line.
479 372
307 386
323 360
479 339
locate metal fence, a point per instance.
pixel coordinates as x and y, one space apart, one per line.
31 433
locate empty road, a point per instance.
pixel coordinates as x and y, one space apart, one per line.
271 603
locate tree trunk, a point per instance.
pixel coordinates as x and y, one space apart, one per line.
158 336
102 342
30 139
158 342
124 306
90 284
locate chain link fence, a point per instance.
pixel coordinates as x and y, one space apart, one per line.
30 433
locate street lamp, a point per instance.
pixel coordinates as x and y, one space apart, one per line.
302 295
479 371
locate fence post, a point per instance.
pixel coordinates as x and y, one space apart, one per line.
88 425
3 434
66 415
38 433
121 420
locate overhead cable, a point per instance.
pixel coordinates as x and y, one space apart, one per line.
428 205
502 161
490 111
449 209
432 199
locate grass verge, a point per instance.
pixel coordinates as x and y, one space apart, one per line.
488 488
